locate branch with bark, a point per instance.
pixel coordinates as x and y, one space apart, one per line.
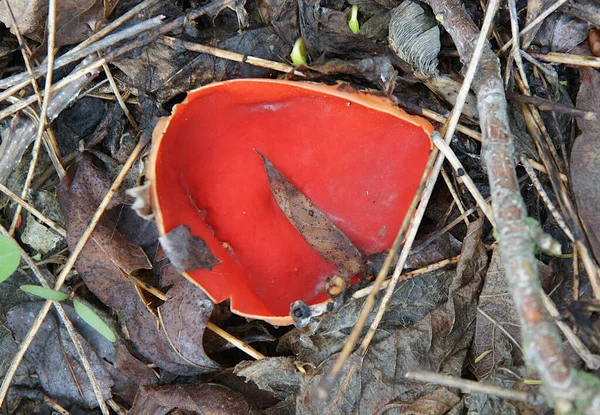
564 387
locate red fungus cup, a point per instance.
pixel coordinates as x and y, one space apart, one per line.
354 155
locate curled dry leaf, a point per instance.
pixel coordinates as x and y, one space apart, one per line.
316 228
205 399
75 19
186 251
585 159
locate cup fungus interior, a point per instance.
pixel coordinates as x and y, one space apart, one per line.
357 157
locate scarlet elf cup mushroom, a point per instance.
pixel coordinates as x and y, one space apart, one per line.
355 156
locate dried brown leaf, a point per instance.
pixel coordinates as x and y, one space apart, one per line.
107 253
186 251
316 228
277 375
57 363
585 159
205 399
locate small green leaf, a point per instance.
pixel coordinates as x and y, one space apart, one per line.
93 320
10 256
298 54
43 292
353 22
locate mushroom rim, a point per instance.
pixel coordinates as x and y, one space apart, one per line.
345 91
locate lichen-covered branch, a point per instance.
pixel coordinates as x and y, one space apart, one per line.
542 343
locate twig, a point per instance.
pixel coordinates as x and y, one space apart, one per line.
412 274
55 226
592 361
568 59
471 386
532 25
455 197
46 100
246 348
68 266
557 217
119 97
235 341
232 56
16 82
49 138
541 340
460 170
546 105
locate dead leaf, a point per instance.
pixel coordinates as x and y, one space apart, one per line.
186 251
378 70
316 228
129 374
585 159
277 375
165 352
57 363
107 252
500 317
76 20
204 399
561 33
437 342
184 317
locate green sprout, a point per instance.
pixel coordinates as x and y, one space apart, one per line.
298 54
10 256
84 312
353 22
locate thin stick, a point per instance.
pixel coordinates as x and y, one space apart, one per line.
460 170
44 110
532 25
134 12
67 268
249 350
17 82
471 386
412 274
119 97
232 56
592 361
457 201
553 210
568 59
55 226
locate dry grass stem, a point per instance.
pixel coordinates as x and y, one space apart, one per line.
53 225
567 59
553 210
532 25
461 172
457 201
249 350
471 386
51 31
412 274
232 56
